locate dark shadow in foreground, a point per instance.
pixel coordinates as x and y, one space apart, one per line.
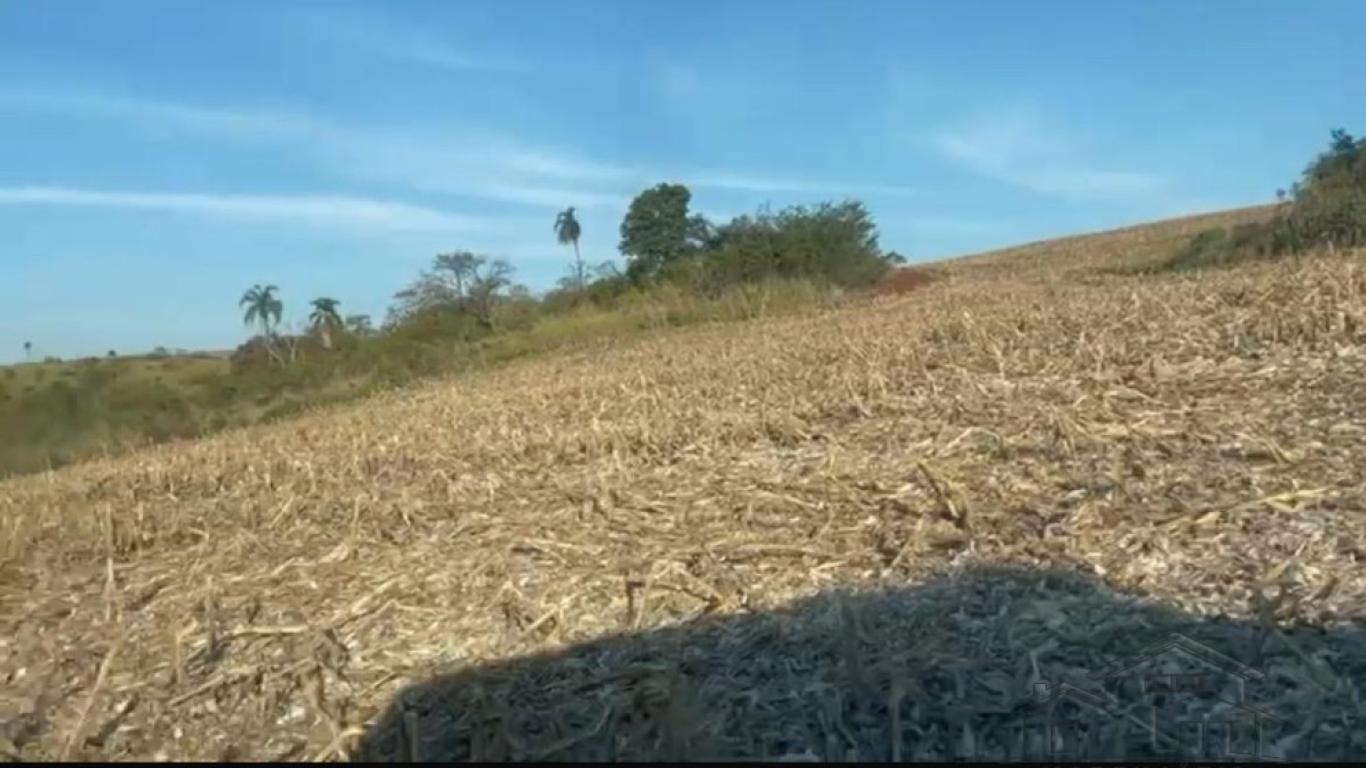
991 664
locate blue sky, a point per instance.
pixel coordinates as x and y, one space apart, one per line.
157 158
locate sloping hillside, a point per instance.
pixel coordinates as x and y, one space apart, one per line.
1123 248
632 554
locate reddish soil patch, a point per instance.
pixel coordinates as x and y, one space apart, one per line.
905 280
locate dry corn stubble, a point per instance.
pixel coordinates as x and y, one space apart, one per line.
264 593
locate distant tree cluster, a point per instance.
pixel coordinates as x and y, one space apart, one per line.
657 231
832 243
459 285
464 296
463 309
1327 206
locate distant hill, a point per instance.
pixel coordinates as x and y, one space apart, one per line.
1122 246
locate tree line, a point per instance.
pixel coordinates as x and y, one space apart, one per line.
464 296
1326 207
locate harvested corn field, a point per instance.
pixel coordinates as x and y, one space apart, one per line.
876 531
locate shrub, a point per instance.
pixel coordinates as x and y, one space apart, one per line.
835 244
1207 248
1328 207
515 313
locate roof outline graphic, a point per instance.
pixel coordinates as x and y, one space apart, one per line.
1104 702
1107 704
1188 647
1101 702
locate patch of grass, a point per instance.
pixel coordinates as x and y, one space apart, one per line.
1210 248
53 414
1326 209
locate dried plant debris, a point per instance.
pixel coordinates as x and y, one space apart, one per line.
988 517
972 665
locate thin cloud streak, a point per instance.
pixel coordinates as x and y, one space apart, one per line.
163 116
469 163
320 209
382 36
1017 148
747 183
955 224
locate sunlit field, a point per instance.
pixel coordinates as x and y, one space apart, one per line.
852 531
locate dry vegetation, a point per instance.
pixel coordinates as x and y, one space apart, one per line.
550 533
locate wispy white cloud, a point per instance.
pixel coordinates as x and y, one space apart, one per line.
382 35
441 55
322 209
501 169
459 160
470 165
954 224
540 161
752 183
1017 147
162 116
464 162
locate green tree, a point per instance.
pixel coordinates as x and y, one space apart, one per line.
656 230
836 243
359 325
1327 206
460 289
1330 203
1341 169
444 287
324 319
457 270
1342 142
263 308
487 286
567 231
28 350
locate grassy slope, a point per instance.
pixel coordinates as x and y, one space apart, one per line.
53 414
44 406
141 400
1184 436
1126 248
186 367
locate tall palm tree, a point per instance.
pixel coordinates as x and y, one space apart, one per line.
567 231
263 308
325 319
28 351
